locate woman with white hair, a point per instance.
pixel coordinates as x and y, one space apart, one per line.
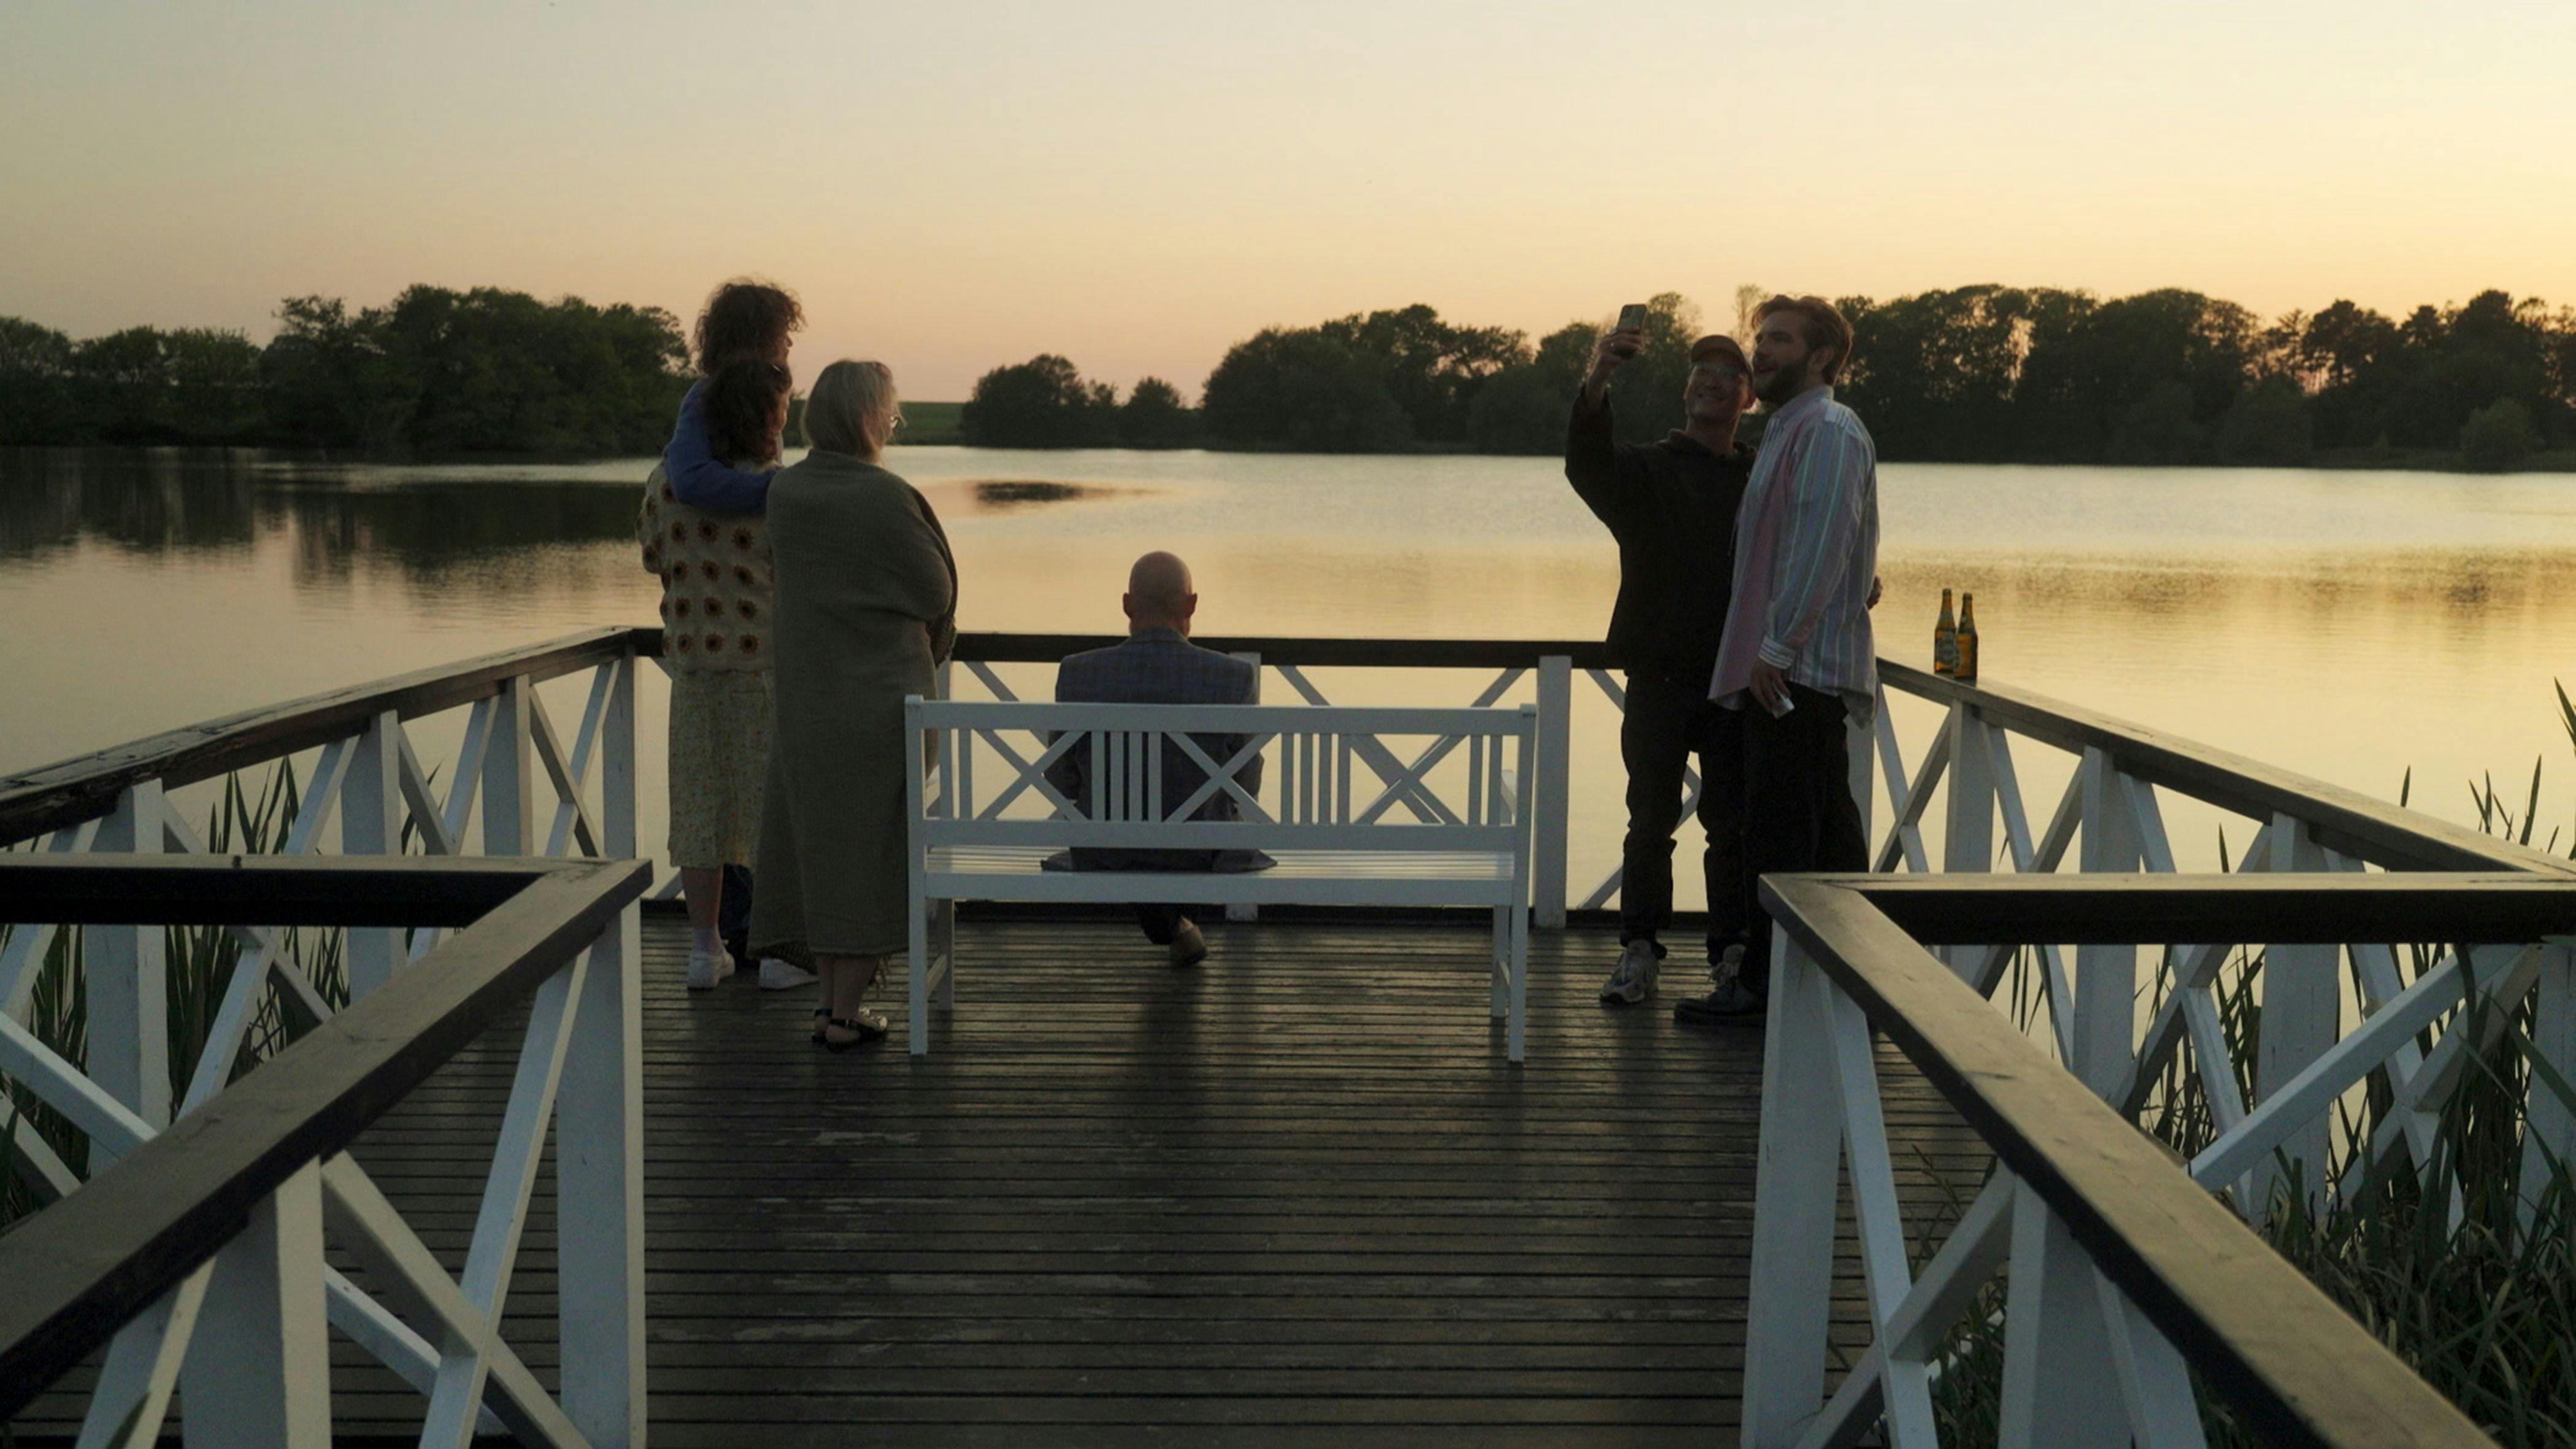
864 611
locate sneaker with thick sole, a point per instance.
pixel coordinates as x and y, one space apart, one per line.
1633 980
777 975
706 968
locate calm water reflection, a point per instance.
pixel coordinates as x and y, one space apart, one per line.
2349 625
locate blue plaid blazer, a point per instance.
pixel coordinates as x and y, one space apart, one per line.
1160 666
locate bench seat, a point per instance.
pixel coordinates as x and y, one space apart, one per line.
1346 819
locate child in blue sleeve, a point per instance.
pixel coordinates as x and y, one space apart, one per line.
744 318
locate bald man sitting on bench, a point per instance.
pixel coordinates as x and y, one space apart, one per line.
1159 665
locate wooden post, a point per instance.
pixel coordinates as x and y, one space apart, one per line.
2302 1020
2106 977
2060 1384
127 980
508 804
917 957
617 763
1554 787
258 1370
2155 1384
1968 834
371 824
1247 911
599 1178
1793 1206
132 1396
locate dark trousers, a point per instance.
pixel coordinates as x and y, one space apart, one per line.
733 912
1799 814
1161 923
1669 721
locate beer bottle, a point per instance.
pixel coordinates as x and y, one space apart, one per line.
1945 641
1967 646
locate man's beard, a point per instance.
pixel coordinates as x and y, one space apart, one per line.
1783 385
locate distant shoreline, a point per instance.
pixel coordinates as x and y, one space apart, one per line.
934 425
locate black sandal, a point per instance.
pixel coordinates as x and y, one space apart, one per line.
869 1026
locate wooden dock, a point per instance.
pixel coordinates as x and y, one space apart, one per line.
1295 1196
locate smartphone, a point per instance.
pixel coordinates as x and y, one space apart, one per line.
1632 317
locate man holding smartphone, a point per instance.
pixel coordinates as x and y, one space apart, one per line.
1671 505
1797 658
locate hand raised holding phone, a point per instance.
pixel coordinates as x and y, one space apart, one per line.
1616 346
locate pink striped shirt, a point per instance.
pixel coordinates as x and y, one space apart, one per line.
1806 549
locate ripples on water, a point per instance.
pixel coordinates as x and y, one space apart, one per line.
2350 625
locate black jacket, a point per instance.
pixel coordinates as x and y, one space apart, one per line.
1671 505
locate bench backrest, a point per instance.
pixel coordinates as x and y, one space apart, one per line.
1332 778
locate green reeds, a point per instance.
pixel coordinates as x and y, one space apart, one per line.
200 962
202 959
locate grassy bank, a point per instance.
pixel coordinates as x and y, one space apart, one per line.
930 422
2434 460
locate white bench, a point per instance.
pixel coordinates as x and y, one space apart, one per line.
1368 807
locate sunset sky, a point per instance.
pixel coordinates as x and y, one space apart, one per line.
1135 185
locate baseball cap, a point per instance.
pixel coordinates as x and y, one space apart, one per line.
1718 346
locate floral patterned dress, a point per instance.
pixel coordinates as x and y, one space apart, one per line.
715 572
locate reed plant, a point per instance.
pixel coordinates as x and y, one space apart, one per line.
245 819
2446 1261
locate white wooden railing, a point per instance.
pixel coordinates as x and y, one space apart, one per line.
513 785
513 788
2130 957
202 1245
2123 1274
2115 1027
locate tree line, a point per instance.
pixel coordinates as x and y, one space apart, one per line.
435 370
1968 374
1972 374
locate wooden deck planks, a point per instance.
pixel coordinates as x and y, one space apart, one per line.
1294 1196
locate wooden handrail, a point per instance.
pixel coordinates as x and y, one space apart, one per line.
1304 651
86 786
2266 1340
2342 819
261 890
2280 908
80 1269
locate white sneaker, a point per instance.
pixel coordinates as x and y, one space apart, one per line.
1633 979
706 968
777 975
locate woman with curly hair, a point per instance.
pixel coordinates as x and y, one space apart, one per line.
743 318
715 573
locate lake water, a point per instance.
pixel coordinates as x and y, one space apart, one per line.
2348 625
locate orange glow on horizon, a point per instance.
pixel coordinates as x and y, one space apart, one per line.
1137 185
